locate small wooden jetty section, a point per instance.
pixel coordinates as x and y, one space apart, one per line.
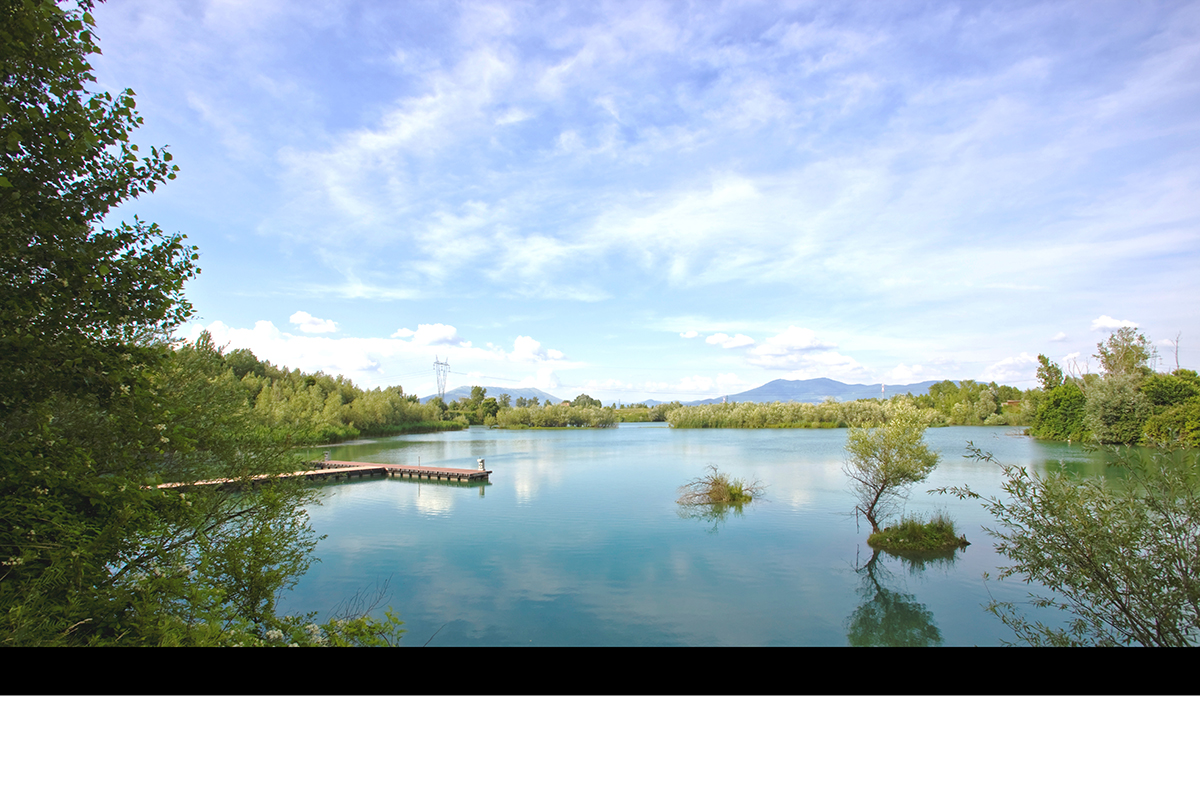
327 470
399 471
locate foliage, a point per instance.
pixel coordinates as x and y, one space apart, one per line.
1049 374
915 533
1060 415
883 462
1120 556
1126 352
948 403
1171 390
1175 425
98 410
586 401
75 294
556 417
717 488
1115 410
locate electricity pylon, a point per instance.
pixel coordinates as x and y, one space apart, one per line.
440 368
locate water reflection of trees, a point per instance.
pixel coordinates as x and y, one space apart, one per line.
715 514
890 618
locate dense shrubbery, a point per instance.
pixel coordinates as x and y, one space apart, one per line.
948 403
557 417
1060 414
317 408
1127 405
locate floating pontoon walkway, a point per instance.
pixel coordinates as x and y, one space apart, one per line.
401 471
352 469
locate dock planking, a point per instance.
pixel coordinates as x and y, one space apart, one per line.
350 469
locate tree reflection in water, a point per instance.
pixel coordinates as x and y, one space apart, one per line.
889 618
716 514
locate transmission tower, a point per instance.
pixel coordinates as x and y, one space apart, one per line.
440 368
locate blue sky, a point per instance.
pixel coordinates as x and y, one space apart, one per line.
674 200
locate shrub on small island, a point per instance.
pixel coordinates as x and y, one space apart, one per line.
717 488
915 533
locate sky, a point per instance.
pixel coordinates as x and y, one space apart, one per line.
674 200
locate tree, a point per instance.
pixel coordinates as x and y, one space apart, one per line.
75 294
1060 414
1126 352
1118 556
1049 374
1115 410
884 462
97 408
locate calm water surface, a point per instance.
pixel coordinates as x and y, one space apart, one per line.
578 540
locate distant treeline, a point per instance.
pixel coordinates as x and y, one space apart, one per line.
947 403
1128 404
316 408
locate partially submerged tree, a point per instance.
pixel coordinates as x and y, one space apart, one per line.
884 462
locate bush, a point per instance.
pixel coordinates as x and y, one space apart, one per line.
717 488
1115 410
1060 414
914 533
1176 425
1119 556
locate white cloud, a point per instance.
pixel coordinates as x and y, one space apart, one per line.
902 374
1014 369
1107 323
789 349
526 348
405 357
1059 337
827 364
689 335
310 324
726 341
429 335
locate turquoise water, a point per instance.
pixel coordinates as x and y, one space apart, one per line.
578 540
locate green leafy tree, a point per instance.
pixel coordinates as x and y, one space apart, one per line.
883 462
76 295
97 410
1126 352
1118 555
1060 414
1115 410
1049 374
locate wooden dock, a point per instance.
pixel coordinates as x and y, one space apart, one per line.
400 471
333 470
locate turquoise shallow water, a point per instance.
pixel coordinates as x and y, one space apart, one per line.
578 540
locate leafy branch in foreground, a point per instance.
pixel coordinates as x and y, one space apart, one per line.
1121 557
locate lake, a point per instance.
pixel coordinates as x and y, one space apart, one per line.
578 540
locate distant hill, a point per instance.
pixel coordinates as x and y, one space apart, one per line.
496 391
813 390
